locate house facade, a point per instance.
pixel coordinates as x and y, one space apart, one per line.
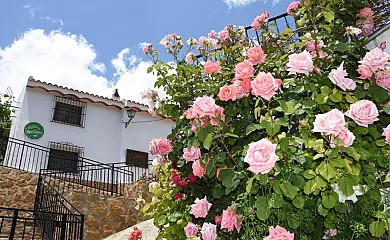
65 125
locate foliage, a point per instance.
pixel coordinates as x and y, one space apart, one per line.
300 192
5 123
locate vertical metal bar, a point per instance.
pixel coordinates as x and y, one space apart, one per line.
112 179
21 156
13 227
82 227
63 227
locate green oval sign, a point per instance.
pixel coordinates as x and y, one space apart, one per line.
33 130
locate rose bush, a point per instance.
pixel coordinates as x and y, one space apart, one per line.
288 139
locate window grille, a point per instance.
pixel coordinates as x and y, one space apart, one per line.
69 111
64 157
137 158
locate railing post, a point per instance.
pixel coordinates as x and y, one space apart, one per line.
82 227
112 179
63 227
13 227
21 156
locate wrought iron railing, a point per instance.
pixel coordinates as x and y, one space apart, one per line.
56 217
33 224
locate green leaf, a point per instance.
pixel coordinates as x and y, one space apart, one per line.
231 135
380 94
283 143
299 202
322 211
377 228
161 220
336 97
351 151
150 69
276 201
326 170
272 127
346 185
386 109
227 177
310 186
329 15
309 174
252 127
321 98
249 185
262 209
218 191
341 207
207 141
328 200
289 190
174 216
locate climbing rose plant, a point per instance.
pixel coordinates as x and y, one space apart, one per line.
286 138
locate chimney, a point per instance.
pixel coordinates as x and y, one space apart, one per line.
115 95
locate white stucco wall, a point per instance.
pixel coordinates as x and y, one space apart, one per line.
382 35
104 136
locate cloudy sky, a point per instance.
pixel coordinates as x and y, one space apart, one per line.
94 45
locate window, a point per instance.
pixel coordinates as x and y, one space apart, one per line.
65 157
137 158
69 111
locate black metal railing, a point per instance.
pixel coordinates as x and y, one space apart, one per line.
56 217
64 173
33 224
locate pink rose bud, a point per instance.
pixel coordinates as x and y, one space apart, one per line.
217 220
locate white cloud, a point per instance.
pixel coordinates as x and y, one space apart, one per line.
53 20
69 60
238 3
32 10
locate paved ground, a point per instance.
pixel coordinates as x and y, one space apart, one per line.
149 232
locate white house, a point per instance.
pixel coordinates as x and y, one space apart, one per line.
56 123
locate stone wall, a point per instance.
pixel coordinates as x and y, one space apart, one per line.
106 215
17 188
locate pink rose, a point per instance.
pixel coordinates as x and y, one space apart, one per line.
346 137
279 233
204 106
246 85
193 128
244 70
376 59
209 231
338 77
260 21
190 114
191 154
211 67
230 220
223 35
363 113
352 30
314 45
200 208
366 21
261 156
292 8
300 63
329 233
364 71
332 122
386 134
227 93
365 12
384 81
212 34
191 229
219 112
218 220
160 146
256 55
197 169
190 57
240 93
264 85
147 48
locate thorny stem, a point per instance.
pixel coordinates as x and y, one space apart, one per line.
228 152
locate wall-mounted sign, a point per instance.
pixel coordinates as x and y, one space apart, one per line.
33 130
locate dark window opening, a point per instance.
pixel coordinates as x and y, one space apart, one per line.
64 157
136 158
69 111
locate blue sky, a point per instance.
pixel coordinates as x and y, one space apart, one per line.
107 28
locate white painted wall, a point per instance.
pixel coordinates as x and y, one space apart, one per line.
382 35
104 136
